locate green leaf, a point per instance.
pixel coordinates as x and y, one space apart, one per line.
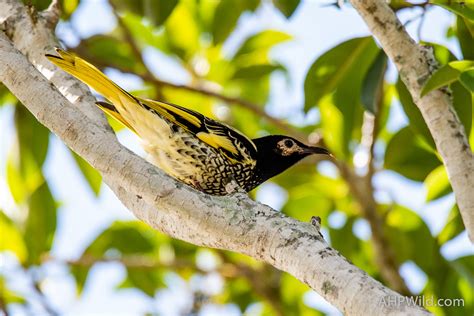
340 72
255 71
437 184
465 37
8 296
144 34
292 292
14 242
254 90
6 97
346 242
121 238
32 136
157 12
254 50
40 224
39 5
287 7
301 204
467 79
446 75
373 83
404 226
80 274
226 16
146 280
239 292
68 7
462 8
406 155
125 237
462 65
463 104
93 178
182 31
25 160
453 280
442 77
111 51
417 122
333 67
332 122
18 188
464 268
441 53
453 227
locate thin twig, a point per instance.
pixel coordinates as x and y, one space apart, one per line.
52 14
363 191
420 25
43 299
3 306
385 257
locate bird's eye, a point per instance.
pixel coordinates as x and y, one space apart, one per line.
289 143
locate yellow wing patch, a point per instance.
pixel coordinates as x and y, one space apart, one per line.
218 141
161 106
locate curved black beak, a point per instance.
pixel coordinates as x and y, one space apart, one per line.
317 150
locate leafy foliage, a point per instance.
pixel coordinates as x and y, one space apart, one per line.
345 86
339 73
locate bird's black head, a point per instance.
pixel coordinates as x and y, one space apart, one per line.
276 153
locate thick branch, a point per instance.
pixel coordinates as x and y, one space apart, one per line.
385 258
234 223
415 64
33 34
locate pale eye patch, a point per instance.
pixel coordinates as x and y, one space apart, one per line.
287 147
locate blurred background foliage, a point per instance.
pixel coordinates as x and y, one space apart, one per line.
348 88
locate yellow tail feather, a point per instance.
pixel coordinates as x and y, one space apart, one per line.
90 75
110 110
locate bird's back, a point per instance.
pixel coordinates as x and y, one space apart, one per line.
194 149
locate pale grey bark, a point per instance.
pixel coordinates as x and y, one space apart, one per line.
233 223
415 65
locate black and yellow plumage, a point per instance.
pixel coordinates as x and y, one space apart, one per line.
192 148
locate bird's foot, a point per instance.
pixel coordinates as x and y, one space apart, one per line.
195 184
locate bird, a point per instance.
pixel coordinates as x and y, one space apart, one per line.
201 152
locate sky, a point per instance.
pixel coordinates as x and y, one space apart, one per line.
82 216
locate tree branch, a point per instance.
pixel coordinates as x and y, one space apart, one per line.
415 65
385 258
234 222
3 306
43 299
